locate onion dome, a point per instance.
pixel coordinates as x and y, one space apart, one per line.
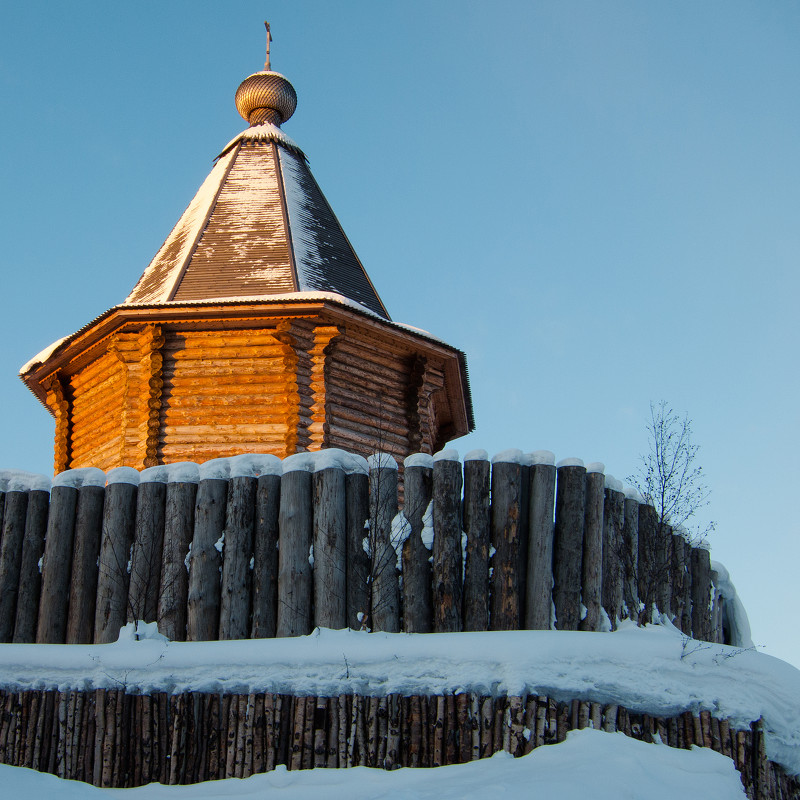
266 97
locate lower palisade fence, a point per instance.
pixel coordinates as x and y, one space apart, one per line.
254 547
112 738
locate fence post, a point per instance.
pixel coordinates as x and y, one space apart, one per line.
30 577
119 519
613 552
295 536
358 559
148 546
568 543
701 593
13 535
330 548
382 510
85 554
477 526
630 555
648 526
265 553
447 564
179 505
509 513
539 589
682 583
202 617
417 575
234 615
592 565
664 569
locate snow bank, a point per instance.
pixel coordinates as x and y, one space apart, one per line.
87 476
327 459
735 618
17 480
570 462
381 461
653 670
589 764
542 457
418 460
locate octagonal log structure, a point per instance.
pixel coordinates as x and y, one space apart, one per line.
146 385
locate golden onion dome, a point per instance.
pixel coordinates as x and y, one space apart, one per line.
266 96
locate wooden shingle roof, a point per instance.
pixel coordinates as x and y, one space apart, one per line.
258 226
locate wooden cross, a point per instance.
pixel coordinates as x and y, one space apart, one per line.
269 39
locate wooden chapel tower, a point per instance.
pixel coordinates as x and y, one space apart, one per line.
255 328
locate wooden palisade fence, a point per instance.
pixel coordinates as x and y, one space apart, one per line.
116 739
254 547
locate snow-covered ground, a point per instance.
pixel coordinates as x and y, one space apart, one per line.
590 764
654 670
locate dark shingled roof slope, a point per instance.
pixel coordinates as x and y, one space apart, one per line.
258 226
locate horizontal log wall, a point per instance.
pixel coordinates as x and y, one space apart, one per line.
540 544
114 739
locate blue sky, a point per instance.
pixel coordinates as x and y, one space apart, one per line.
597 202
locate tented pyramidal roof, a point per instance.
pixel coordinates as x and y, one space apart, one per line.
258 226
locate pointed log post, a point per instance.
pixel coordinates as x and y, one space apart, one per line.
568 543
592 569
509 514
647 571
202 619
57 562
613 557
358 559
30 576
447 564
119 520
240 515
664 569
539 584
417 575
330 548
382 510
701 593
173 596
86 551
265 556
477 526
294 567
630 557
13 535
148 546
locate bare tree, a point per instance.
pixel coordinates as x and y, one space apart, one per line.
668 477
669 480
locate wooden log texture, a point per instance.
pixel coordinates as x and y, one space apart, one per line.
682 583
30 576
701 593
358 559
147 553
13 536
613 557
568 546
417 574
294 568
630 558
240 515
57 565
202 618
173 593
382 510
647 571
265 557
477 526
509 535
330 548
447 563
592 564
86 551
663 551
119 519
539 583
